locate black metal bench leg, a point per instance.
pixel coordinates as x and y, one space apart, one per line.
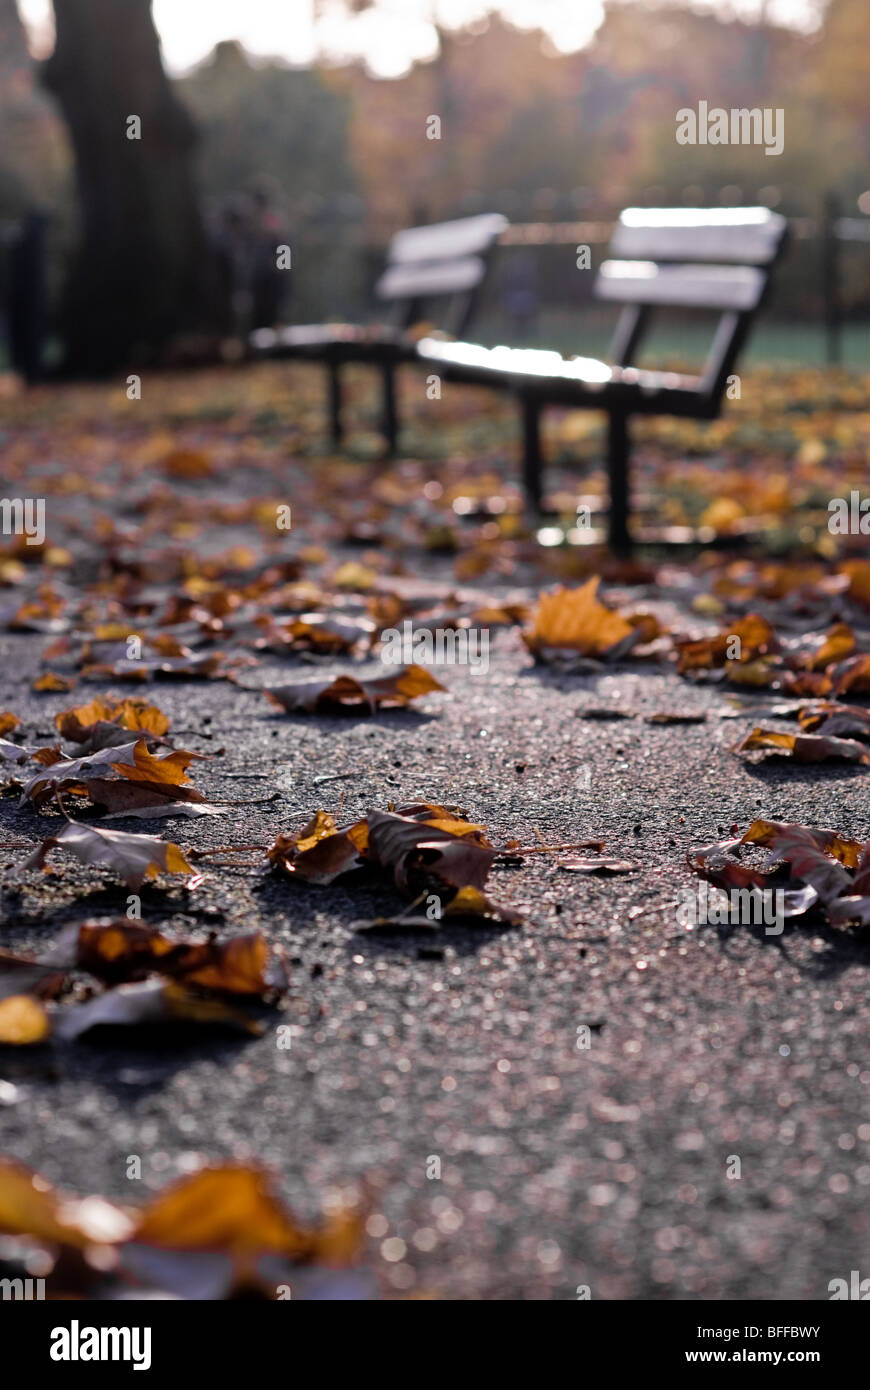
532 453
620 497
390 413
336 428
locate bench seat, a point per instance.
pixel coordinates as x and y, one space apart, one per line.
582 382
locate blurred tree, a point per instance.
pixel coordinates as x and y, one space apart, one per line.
141 272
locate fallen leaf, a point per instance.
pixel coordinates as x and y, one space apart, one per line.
599 866
754 635
51 681
346 693
666 717
30 1206
133 857
804 748
152 1004
121 950
78 724
575 620
23 1020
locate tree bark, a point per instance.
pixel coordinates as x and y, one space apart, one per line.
141 273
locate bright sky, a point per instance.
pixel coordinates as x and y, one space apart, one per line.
390 36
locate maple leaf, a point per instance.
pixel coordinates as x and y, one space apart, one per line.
79 723
231 1208
346 693
755 637
126 780
133 857
804 748
119 949
51 681
149 1004
575 620
835 719
320 852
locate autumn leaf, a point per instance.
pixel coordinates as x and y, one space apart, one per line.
202 665
51 682
807 866
346 693
133 857
8 722
154 1003
123 950
23 1020
78 724
419 855
232 1209
126 780
599 866
14 752
835 719
744 640
575 620
838 643
320 852
851 675
422 846
804 748
226 1216
30 1206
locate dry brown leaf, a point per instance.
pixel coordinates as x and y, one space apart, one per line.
30 1206
23 1020
575 620
232 1209
77 724
756 638
599 866
121 950
838 643
151 1004
133 857
835 720
14 752
851 675
51 682
346 693
320 852
804 748
8 722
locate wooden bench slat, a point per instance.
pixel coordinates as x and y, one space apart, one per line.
445 241
417 280
681 286
531 362
744 236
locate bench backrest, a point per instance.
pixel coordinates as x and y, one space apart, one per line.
445 262
691 258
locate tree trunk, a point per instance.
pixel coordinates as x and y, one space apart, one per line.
142 269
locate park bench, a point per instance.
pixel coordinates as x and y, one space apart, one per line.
433 273
716 259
